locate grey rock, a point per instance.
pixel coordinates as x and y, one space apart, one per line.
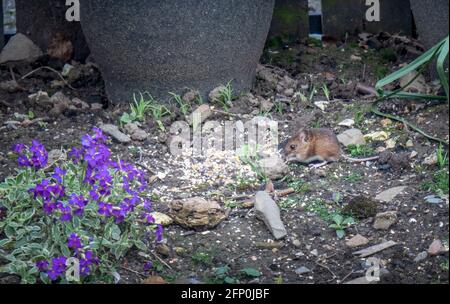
351 137
436 248
421 256
433 199
267 211
135 132
20 48
302 270
200 115
167 46
385 220
390 194
274 167
114 131
356 241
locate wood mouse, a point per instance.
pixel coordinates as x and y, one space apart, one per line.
310 145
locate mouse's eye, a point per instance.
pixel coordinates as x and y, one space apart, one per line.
293 147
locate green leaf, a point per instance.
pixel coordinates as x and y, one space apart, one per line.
337 218
115 232
251 272
440 66
340 233
348 221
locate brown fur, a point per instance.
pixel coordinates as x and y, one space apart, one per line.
310 145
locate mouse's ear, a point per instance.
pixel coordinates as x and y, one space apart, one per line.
303 136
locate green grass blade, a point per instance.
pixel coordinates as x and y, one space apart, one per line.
443 53
423 59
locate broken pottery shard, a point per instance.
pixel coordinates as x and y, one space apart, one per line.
374 249
113 131
268 211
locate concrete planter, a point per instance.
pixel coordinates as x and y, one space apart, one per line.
431 17
163 46
43 20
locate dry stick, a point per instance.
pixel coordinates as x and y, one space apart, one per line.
225 113
50 69
327 268
161 260
12 74
344 278
133 271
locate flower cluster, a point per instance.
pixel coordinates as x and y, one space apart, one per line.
35 156
105 189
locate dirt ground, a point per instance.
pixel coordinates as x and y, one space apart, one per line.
194 256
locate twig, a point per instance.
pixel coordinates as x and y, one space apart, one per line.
50 69
225 113
327 268
133 271
12 74
344 278
161 260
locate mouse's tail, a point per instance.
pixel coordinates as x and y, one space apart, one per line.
359 160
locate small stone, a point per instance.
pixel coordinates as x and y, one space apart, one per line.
385 220
215 95
386 122
436 248
135 132
377 136
10 86
162 219
351 137
355 58
433 199
321 104
274 167
356 241
413 154
421 256
55 156
96 107
347 123
266 105
390 143
200 115
302 270
113 131
315 252
41 98
296 243
409 143
289 92
190 96
431 160
390 194
163 250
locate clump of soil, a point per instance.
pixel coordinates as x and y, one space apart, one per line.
361 207
399 161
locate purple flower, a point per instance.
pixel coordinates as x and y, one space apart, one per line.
18 148
66 212
105 209
74 241
39 155
42 265
78 203
58 174
49 207
148 266
159 233
41 190
53 274
76 155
